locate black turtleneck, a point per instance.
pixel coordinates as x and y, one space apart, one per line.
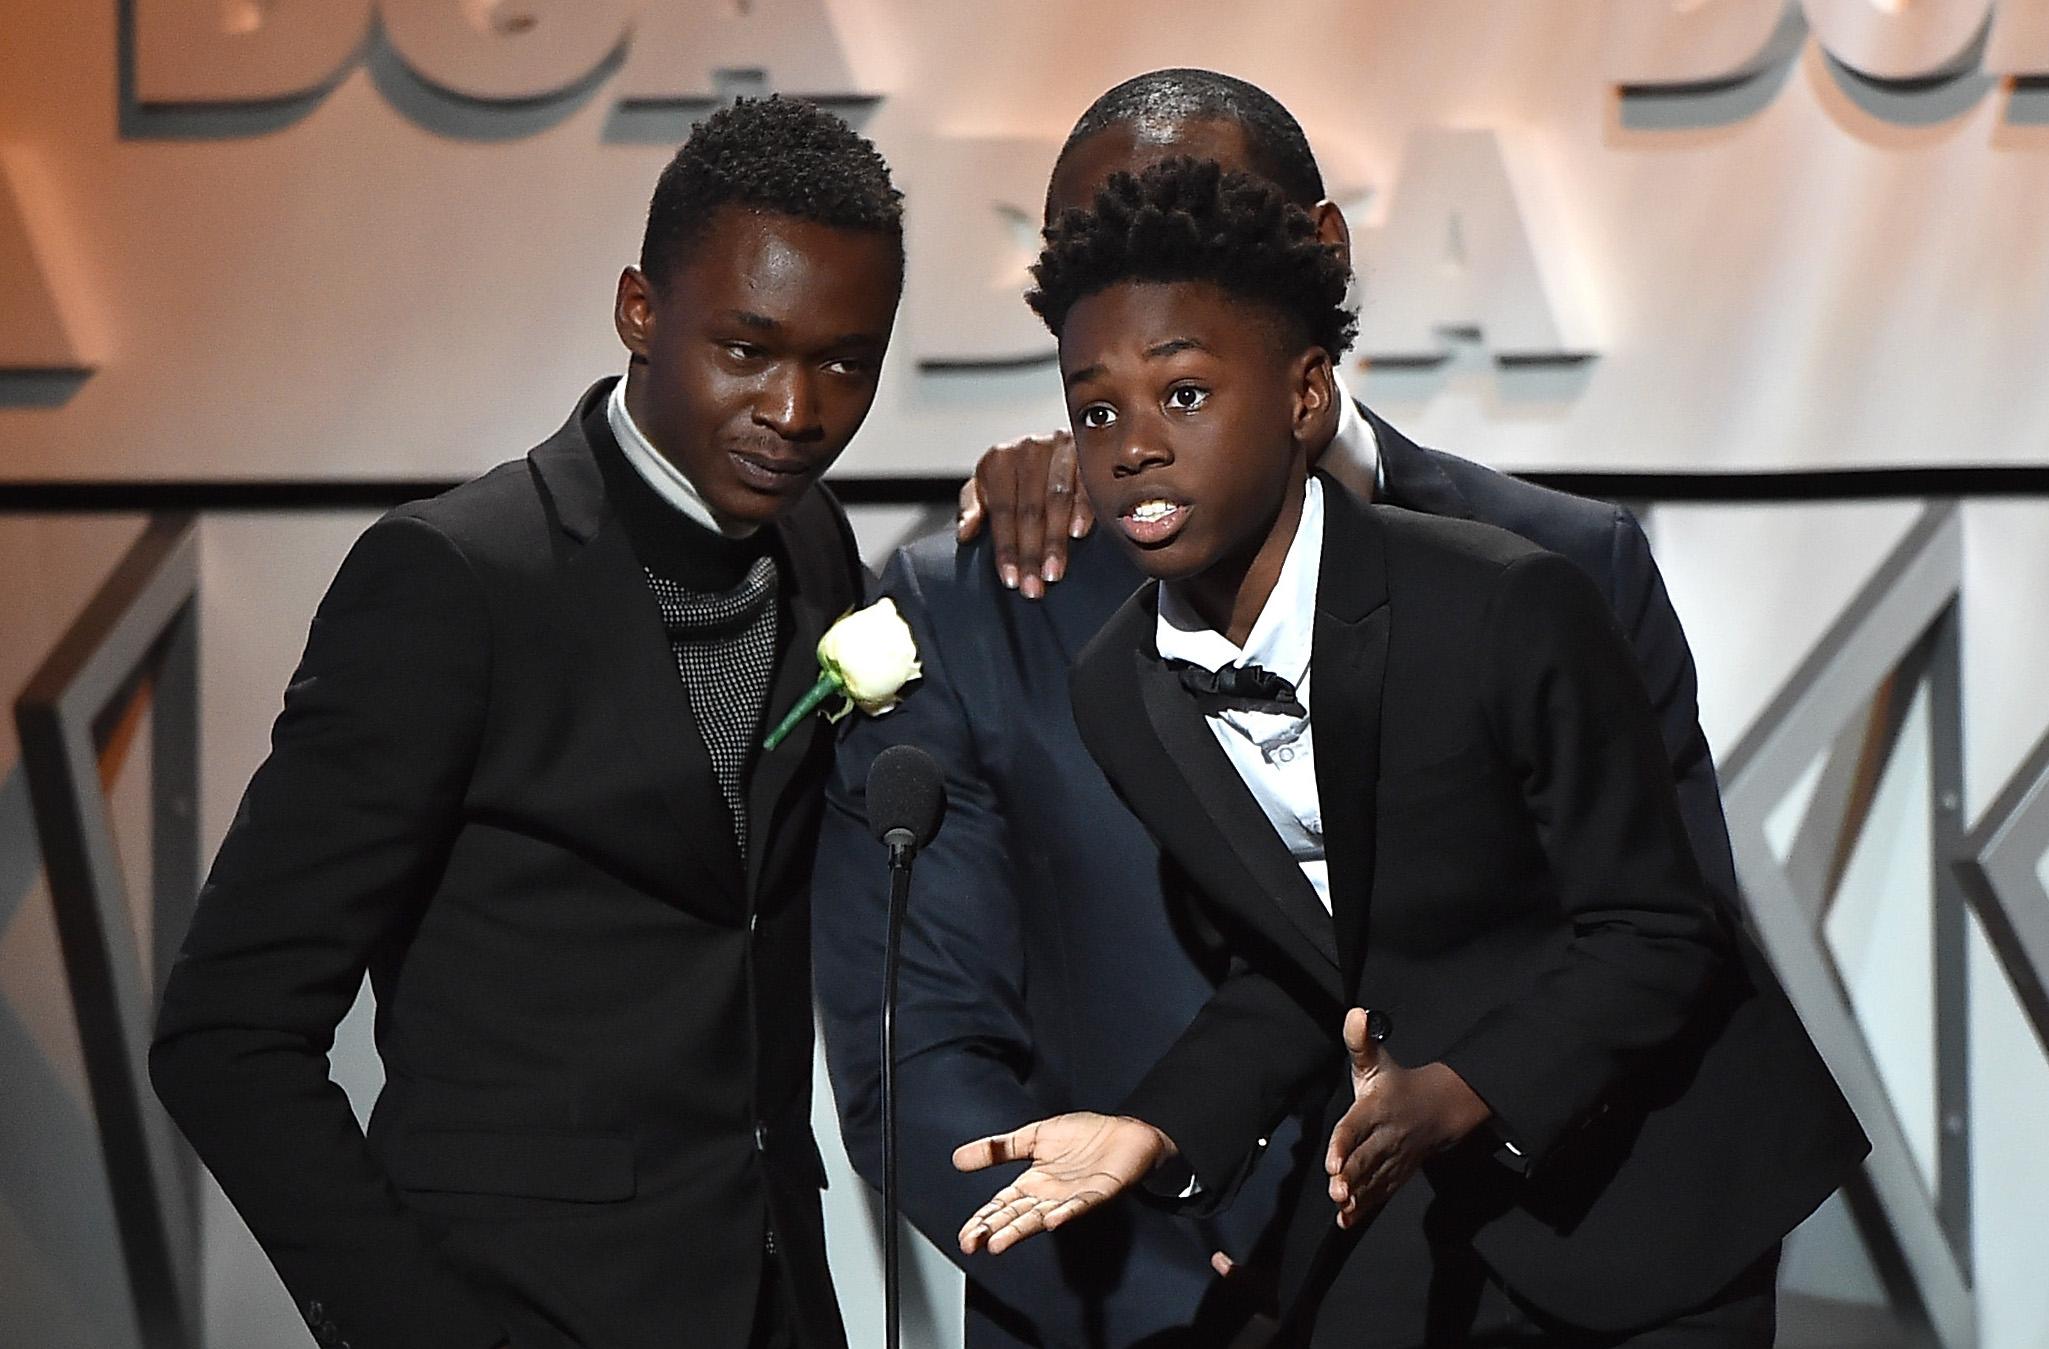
665 541
717 601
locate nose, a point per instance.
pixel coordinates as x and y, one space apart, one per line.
1145 444
788 405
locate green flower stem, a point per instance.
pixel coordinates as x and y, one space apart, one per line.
827 685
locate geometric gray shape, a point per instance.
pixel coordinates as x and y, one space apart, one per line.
2001 876
1899 628
139 629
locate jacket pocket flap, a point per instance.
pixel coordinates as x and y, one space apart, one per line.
592 1168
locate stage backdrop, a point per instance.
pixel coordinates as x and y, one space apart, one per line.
365 239
378 238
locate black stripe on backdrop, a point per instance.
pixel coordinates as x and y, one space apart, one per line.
1841 484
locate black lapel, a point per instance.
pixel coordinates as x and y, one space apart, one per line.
1412 475
1348 667
1191 752
628 651
809 542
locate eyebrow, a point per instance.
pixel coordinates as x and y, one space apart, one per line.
762 323
1158 351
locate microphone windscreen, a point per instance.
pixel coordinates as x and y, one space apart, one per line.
905 791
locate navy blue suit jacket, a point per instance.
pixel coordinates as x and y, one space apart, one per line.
1043 970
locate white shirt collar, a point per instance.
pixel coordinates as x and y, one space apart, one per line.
655 468
1353 457
1281 635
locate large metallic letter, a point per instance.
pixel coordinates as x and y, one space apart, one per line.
1896 43
504 50
2019 42
679 49
1680 43
40 359
1455 261
974 205
241 51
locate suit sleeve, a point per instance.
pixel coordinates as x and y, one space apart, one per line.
330 861
1666 662
1568 709
964 1040
1235 1073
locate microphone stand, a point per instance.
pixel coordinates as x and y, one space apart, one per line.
902 849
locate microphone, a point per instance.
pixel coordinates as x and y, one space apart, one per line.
906 802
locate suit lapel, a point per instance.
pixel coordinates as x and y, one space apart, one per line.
807 586
628 653
1192 753
1348 668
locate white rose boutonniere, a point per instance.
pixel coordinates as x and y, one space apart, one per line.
866 658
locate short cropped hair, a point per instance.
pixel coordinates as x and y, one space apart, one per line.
774 154
1280 152
1187 220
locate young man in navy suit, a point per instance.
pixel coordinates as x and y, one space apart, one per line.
1404 764
518 780
1047 973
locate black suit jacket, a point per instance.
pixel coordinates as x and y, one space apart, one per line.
1043 970
487 789
1512 885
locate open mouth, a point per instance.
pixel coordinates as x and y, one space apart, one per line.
1154 521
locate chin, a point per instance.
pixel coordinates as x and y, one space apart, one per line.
751 509
1174 562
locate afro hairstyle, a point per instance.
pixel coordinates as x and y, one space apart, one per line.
1187 220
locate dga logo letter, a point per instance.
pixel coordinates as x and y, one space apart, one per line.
206 52
1667 52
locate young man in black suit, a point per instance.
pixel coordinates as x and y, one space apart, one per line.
518 780
1407 764
1046 973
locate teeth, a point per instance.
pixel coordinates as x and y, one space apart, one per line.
1148 512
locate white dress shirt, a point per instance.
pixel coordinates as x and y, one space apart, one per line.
669 481
1273 752
1353 457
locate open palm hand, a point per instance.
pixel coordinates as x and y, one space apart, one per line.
1079 1161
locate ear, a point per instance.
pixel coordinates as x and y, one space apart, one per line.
1332 231
633 311
1316 400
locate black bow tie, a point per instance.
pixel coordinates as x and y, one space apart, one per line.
1238 688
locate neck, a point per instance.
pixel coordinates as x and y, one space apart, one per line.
662 471
1229 595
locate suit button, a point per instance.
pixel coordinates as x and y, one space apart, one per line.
760 1136
1379 1025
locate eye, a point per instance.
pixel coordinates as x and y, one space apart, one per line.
850 365
1187 397
741 351
1096 416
